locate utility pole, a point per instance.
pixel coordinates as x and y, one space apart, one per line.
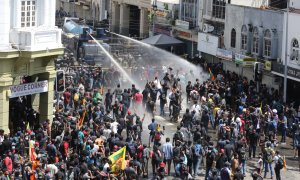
74 8
154 8
286 53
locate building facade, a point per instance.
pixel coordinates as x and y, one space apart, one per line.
253 34
290 52
90 10
162 19
29 43
130 17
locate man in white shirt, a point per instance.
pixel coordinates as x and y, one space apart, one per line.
196 107
52 170
114 126
278 165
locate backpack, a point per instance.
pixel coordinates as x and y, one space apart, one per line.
243 155
194 96
157 136
178 136
132 148
76 96
198 150
280 163
269 156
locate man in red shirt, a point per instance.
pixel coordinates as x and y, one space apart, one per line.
8 162
67 99
138 98
65 150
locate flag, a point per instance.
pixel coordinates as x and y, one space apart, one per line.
118 159
260 108
211 75
32 154
284 163
80 123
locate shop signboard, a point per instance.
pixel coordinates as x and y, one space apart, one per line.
224 54
268 65
248 62
182 24
291 72
208 43
161 13
239 58
28 89
183 34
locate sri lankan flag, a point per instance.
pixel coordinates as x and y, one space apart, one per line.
118 160
81 120
211 75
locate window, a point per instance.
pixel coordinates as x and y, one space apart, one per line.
233 38
255 40
219 9
295 50
28 13
189 11
244 38
267 39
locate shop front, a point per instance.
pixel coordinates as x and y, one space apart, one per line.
182 32
26 87
293 83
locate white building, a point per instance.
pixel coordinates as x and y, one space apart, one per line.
29 43
29 25
292 54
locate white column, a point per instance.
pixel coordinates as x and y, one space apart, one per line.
52 13
124 19
115 17
144 24
4 24
17 14
46 12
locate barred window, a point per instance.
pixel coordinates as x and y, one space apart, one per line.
28 18
255 40
244 36
267 46
233 38
294 55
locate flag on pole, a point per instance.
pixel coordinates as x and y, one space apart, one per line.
32 154
284 163
118 159
80 123
211 75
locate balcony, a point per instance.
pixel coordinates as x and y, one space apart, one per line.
139 3
36 39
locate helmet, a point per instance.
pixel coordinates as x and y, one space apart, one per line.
274 111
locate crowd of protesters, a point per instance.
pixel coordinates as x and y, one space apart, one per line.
98 114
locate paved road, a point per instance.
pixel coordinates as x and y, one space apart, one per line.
292 172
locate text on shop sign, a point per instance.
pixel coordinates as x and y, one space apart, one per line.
28 89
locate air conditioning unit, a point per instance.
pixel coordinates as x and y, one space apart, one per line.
207 28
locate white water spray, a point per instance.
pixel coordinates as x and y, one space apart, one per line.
166 58
123 72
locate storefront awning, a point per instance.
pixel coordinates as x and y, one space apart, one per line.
162 40
169 1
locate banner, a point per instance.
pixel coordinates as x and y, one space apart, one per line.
28 89
224 54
